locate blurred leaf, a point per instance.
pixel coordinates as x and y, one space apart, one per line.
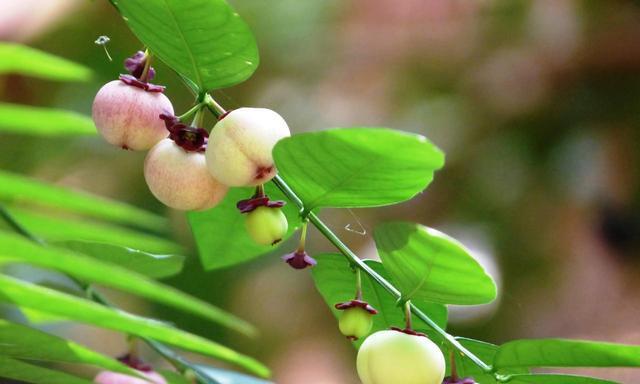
34 316
61 229
92 270
22 342
173 377
357 167
566 353
336 282
29 373
28 295
204 40
37 121
20 189
556 379
229 377
152 265
27 61
221 235
427 264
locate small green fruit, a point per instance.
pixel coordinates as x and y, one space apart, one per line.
266 225
394 357
355 323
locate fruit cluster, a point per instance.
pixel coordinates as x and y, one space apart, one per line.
186 168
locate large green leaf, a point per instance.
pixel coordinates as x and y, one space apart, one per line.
220 234
53 229
37 121
152 265
336 282
566 353
21 342
427 264
20 189
94 271
29 373
357 167
47 300
23 60
206 41
556 379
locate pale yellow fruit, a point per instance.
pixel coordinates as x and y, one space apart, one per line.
180 179
266 226
393 357
240 146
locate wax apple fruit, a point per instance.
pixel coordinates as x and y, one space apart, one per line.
127 115
395 357
240 145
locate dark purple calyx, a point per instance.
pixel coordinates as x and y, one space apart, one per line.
137 77
135 66
131 80
299 260
191 139
135 363
408 331
458 380
258 200
356 304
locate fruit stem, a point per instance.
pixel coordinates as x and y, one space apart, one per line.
213 106
303 236
190 112
452 363
407 315
358 284
147 66
198 119
355 260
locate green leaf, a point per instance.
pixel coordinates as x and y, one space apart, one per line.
204 40
484 351
173 377
61 229
220 234
29 373
566 353
556 379
20 189
336 282
228 377
22 342
23 60
94 271
37 121
427 264
357 167
47 300
152 265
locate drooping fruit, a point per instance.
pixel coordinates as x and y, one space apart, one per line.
395 357
239 151
266 225
127 115
356 319
176 172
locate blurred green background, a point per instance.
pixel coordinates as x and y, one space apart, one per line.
536 104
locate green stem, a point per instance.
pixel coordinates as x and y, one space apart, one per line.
407 315
147 66
213 106
358 284
190 112
355 260
179 363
